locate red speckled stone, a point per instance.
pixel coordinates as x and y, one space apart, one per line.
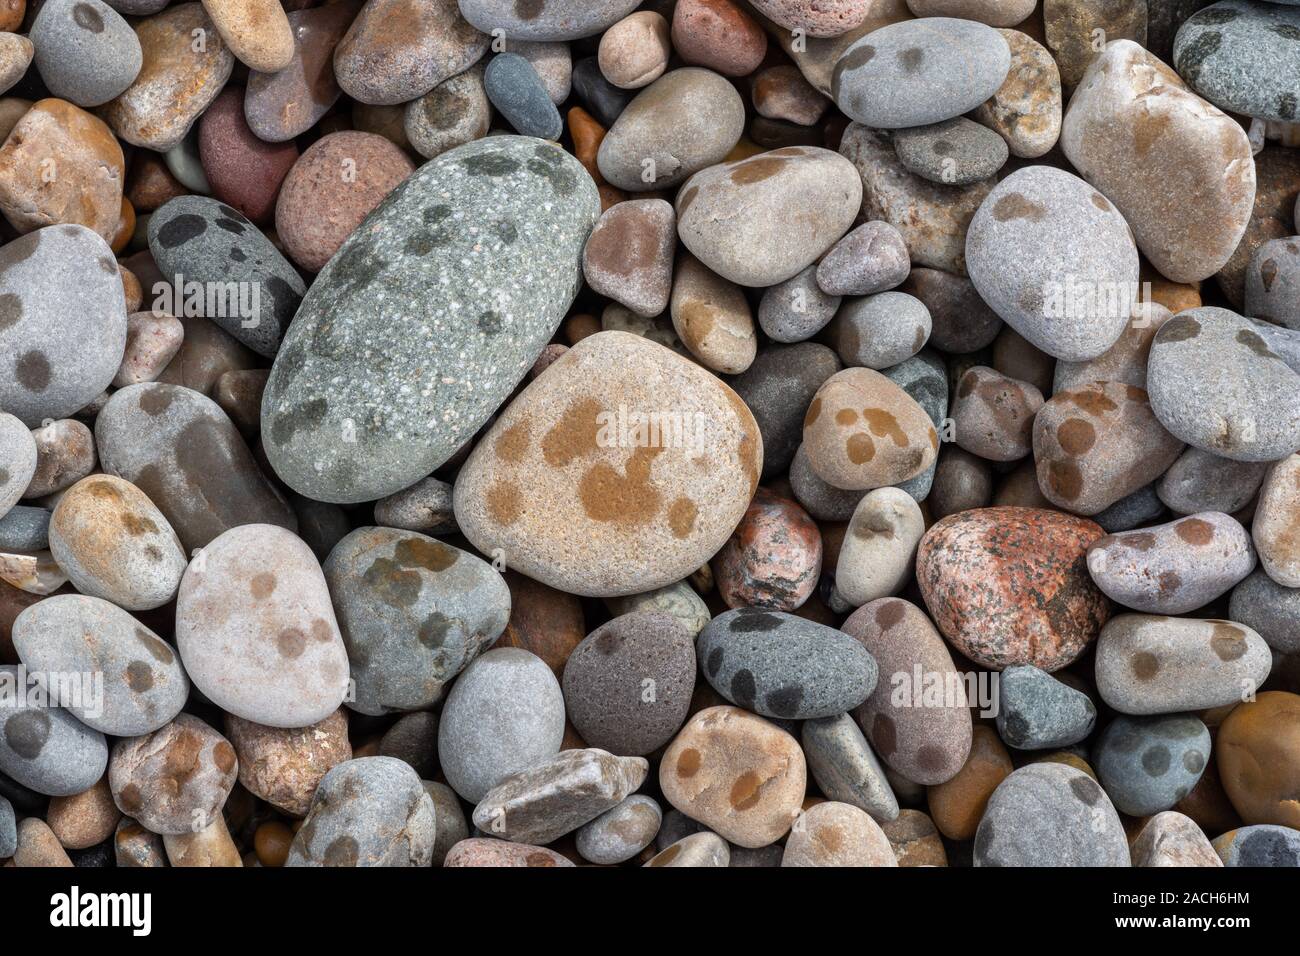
774 557
1011 585
244 171
718 34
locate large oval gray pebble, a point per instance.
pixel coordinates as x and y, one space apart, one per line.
43 747
86 53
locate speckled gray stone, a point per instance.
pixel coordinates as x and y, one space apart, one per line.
25 528
1271 610
871 258
18 459
1243 57
1050 814
846 768
520 97
144 685
43 747
783 666
1038 712
777 387
206 241
796 309
453 113
62 322
423 507
918 72
820 499
1203 481
504 713
1136 508
618 834
1264 844
1215 384
371 811
956 152
546 19
479 252
879 331
86 53
610 703
413 613
1273 281
8 829
925 378
1148 764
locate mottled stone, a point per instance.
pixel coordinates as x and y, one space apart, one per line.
1261 845
773 559
1070 26
453 113
424 507
35 845
174 779
712 317
152 341
1202 481
283 766
83 820
781 93
634 52
242 170
719 35
837 834
698 849
548 19
85 51
845 767
496 853
629 255
42 746
136 847
1173 839
1273 282
915 840
1038 712
1026 109
25 529
993 415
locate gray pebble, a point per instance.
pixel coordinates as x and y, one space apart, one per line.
451 826
547 21
8 829
1268 608
1138 508
25 528
778 387
424 507
184 163
86 53
820 499
956 152
962 321
678 600
18 459
871 258
925 379
846 768
517 92
879 331
796 309
414 741
453 113
1273 281
1148 764
621 832
1264 844
1038 712
1203 481
42 746
962 481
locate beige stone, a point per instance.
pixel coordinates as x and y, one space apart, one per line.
1026 109
1276 529
634 52
712 317
38 846
1172 839
257 32
837 834
284 765
84 819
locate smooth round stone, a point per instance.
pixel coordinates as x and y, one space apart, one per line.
35 845
284 766
773 559
184 163
211 846
257 32
1276 522
25 529
371 811
84 820
815 18
993 414
729 215
1215 384
960 320
256 630
413 613
1269 609
1039 712
777 388
543 621
1173 839
879 549
180 449
85 51
65 453
18 460
871 258
497 853
782 93
703 849
152 341
919 725
1138 134
879 331
1273 282
738 774
332 187
206 241
955 152
44 747
1099 443
113 543
1242 57
1010 585
16 54
515 89
397 50
1148 764
845 768
837 834
548 20
177 78
1202 481
453 113
511 242
414 740
1014 357
629 255
649 502
282 105
796 309
634 52
719 35
174 779
1257 748
683 122
504 713
932 217
605 100
712 317
1026 109
242 170
1262 845
621 832
862 431
1163 665
919 72
1173 568
63 330
958 804
962 481
424 507
1040 235
1125 361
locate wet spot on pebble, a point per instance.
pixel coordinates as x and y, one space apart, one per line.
33 371
290 642
860 448
1076 436
681 517
753 622
262 585
181 230
884 735
1144 665
139 676
688 764
1179 329
1195 531
784 702
743 688
223 755
26 733
342 851
1086 789
1016 206
11 310
1228 642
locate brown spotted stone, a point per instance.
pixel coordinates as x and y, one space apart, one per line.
781 93
284 765
713 318
993 414
65 453
1259 759
1071 29
773 559
1026 109
479 851
837 834
629 255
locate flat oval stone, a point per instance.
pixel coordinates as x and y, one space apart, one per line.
712 317
1277 516
480 743
1055 260
371 811
1173 839
413 613
1026 109
1261 845
1164 665
113 543
284 765
738 774
649 502
605 687
629 255
1050 814
727 214
1202 481
1216 384
174 779
522 211
845 767
871 258
1257 747
18 460
879 549
62 322
993 415
42 746
480 852
1038 712
1270 609
520 97
144 685
879 331
773 559
1242 57
919 72
816 18
241 169
780 665
1148 764
683 122
621 832
837 834
546 19
257 32
1010 585
256 630
920 726
956 152
180 449
397 50
453 113
704 849
86 52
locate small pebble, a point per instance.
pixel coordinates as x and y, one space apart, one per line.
837 834
174 779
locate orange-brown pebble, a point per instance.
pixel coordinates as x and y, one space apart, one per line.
915 839
125 228
271 842
1259 759
85 819
580 325
150 183
587 135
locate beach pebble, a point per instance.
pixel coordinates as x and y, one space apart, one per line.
960 320
517 92
450 825
25 529
605 100
35 845
1125 361
1039 712
629 255
1273 282
18 460
837 834
816 18
455 112
241 169
718 34
174 779
16 54
879 331
634 52
796 309
1148 764
136 847
878 555
1257 749
955 152
1277 516
871 258
152 341
781 93
1069 28
549 20
283 766
1202 481
697 849
1260 845
777 388
85 51
1173 839
773 559
424 507
845 767
1269 609
8 829
65 453
962 481
83 820
495 853
1026 109
42 746
915 840
712 317
621 832
957 805
993 415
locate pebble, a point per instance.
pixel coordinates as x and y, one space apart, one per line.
698 849
1257 746
955 152
1069 28
498 853
515 89
773 559
424 507
18 460
738 774
879 331
482 742
960 320
450 825
797 309
1148 764
816 18
1261 845
174 779
621 832
15 56
549 21
209 847
993 415
543 621
242 170
629 255
634 52
1026 109
1049 814
25 529
1039 712
1164 665
136 847
370 811
1173 839
257 32
413 740
239 393
871 258
1273 282
85 51
605 100
42 746
878 555
1010 586
453 113
1125 361
845 767
1268 608
962 481
781 93
915 840
1202 481
1277 515
83 820
777 388
36 845
957 805
837 834
8 829
719 35
553 62
284 766
152 341
712 318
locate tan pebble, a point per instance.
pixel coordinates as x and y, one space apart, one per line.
257 32
211 846
15 56
956 805
837 834
479 851
1276 529
1026 109
699 849
915 839
1172 839
713 318
65 453
85 819
634 52
134 846
283 766
38 846
152 341
271 843
781 93
239 393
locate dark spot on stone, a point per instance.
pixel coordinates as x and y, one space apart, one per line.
529 9
26 732
308 415
884 735
505 230
857 56
752 620
181 230
489 164
139 676
1017 206
1193 761
236 254
419 244
262 585
743 689
490 322
33 371
1178 329
549 163
785 701
156 399
984 840
1086 789
1155 760
1266 848
911 59
433 215
1193 56
746 791
1213 17
713 663
1286 103
434 629
890 613
1015 729
159 649
1144 665
930 757
88 18
290 642
342 851
1228 642
11 310
281 292
1287 31
1256 344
